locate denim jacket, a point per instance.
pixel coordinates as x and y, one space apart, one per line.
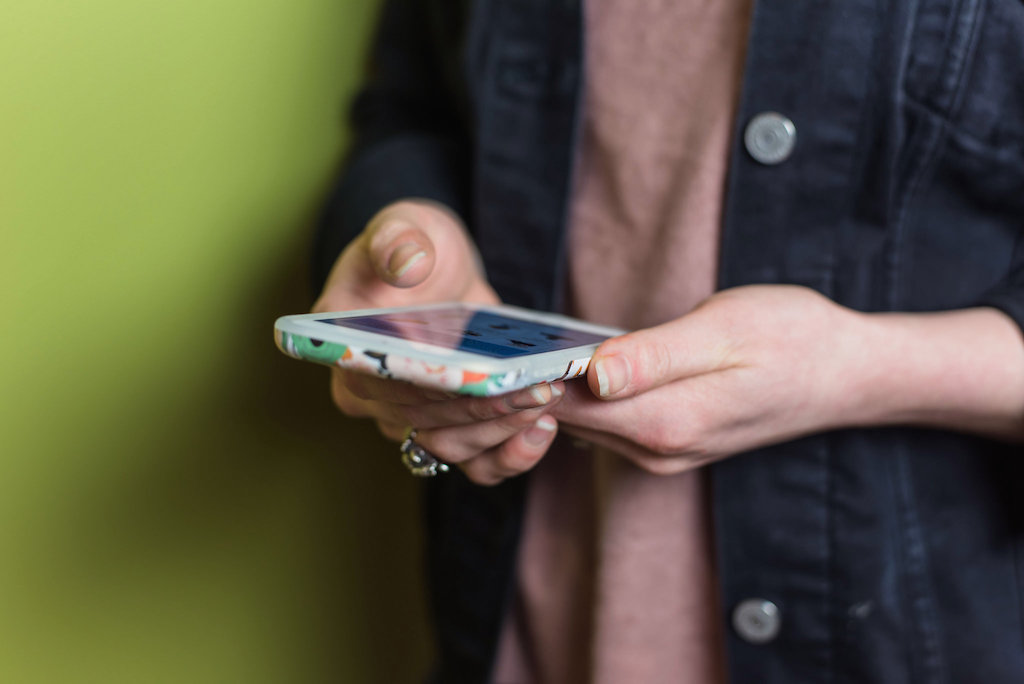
889 554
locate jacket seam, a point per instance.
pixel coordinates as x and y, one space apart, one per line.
990 151
921 609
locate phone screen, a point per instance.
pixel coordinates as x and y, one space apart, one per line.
480 332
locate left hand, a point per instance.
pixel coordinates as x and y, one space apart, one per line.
749 367
417 252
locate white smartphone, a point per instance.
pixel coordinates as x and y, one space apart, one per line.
461 348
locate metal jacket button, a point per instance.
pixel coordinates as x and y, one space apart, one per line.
770 138
756 621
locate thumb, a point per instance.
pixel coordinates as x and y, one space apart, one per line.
399 251
645 359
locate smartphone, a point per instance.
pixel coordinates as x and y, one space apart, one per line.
461 348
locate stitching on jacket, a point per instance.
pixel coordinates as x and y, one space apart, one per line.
925 147
922 613
1001 154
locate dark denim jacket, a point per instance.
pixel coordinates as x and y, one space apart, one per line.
893 555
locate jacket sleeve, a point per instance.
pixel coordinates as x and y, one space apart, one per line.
409 136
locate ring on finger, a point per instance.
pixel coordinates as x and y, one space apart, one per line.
419 461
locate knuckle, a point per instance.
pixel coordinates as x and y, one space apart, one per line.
699 427
479 473
346 402
481 410
672 449
515 422
655 465
439 443
410 414
514 461
657 363
355 385
662 439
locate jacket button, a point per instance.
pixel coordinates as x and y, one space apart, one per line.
756 621
770 138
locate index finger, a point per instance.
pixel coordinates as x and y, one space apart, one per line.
375 388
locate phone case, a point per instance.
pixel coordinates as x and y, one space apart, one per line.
416 371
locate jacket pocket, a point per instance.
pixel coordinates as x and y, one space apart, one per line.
965 65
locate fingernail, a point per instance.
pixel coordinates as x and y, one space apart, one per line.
540 432
556 390
530 398
404 258
612 375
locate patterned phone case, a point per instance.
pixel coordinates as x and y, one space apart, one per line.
416 371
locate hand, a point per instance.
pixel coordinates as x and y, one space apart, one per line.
749 367
412 252
764 364
416 252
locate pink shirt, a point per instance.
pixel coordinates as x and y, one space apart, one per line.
616 577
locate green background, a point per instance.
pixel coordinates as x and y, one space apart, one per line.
178 501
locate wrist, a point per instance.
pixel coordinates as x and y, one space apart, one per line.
958 370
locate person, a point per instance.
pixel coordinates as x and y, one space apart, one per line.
804 464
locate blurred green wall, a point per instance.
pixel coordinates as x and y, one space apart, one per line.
179 502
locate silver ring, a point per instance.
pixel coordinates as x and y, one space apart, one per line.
419 461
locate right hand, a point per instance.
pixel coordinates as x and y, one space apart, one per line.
416 252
